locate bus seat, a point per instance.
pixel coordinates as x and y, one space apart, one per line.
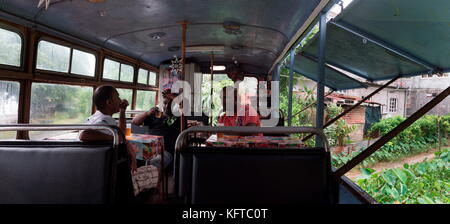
248 176
51 172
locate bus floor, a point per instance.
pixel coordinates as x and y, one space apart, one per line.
154 196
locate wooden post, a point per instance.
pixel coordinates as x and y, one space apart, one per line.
439 132
183 65
212 83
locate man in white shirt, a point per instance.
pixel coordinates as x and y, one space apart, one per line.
107 102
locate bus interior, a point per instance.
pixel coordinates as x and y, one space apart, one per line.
55 53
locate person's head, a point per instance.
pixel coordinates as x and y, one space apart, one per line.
226 97
168 97
106 99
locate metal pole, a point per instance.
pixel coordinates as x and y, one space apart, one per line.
291 86
321 77
390 135
354 106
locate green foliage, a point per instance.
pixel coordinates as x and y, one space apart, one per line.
421 183
419 137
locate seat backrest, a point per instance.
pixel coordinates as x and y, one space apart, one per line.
56 173
274 176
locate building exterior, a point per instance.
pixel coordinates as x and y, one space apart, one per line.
422 89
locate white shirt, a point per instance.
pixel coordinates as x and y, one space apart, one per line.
100 118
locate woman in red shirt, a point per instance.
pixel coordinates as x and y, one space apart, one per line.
241 115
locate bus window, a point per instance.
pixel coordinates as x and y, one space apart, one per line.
111 69
9 106
126 73
53 57
248 90
145 100
126 94
59 104
143 76
10 48
152 78
219 81
83 63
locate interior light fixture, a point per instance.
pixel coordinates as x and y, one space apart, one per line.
218 67
205 48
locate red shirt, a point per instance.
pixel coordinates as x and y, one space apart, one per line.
250 117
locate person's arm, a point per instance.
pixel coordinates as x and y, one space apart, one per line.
140 118
94 136
122 119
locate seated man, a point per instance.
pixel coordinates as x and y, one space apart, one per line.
162 124
241 115
107 103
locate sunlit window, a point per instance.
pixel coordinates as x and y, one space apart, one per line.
152 78
147 77
111 70
145 100
9 106
83 63
114 70
126 73
53 57
10 48
59 104
126 94
143 76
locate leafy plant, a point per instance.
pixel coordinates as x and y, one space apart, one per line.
421 183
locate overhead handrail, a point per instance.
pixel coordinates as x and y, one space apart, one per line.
63 127
181 140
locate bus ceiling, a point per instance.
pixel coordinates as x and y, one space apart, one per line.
252 33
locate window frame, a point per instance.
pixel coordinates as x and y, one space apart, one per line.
393 109
148 77
120 67
20 32
71 47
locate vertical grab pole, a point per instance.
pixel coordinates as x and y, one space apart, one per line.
183 63
291 86
211 93
321 78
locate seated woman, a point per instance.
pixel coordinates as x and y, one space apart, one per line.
240 115
162 124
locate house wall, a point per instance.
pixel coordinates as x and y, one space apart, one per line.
422 90
357 118
383 97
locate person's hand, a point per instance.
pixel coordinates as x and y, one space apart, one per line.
123 105
152 111
133 165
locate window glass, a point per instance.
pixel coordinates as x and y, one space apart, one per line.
111 70
52 57
143 75
9 106
145 100
126 94
126 73
83 63
152 79
10 48
59 104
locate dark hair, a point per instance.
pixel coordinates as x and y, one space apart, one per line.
102 94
